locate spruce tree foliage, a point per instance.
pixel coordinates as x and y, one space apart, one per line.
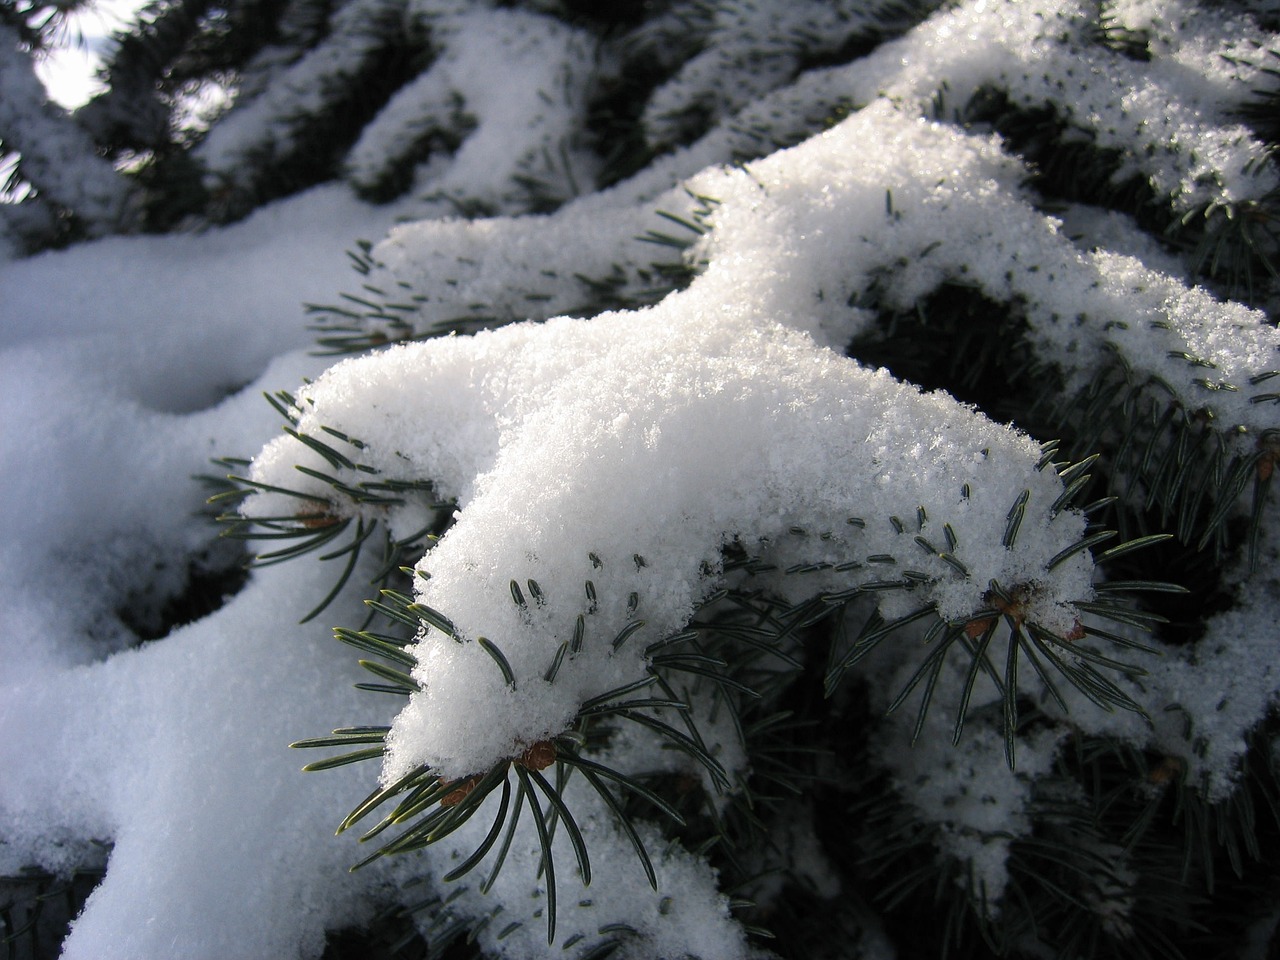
1010 694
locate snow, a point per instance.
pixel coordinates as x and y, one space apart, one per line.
748 49
525 116
968 789
556 428
57 156
1204 702
69 71
185 774
690 917
625 449
107 422
271 125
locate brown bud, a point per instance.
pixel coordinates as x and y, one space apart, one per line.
318 521
976 628
1167 770
457 795
538 756
1269 447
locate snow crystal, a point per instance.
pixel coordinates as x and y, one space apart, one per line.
568 427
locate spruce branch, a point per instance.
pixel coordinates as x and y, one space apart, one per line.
728 607
54 157
430 807
389 308
337 509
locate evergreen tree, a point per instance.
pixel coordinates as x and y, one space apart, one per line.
807 466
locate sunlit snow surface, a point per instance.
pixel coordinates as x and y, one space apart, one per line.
119 357
721 412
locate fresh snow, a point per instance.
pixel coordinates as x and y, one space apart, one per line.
626 449
525 117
